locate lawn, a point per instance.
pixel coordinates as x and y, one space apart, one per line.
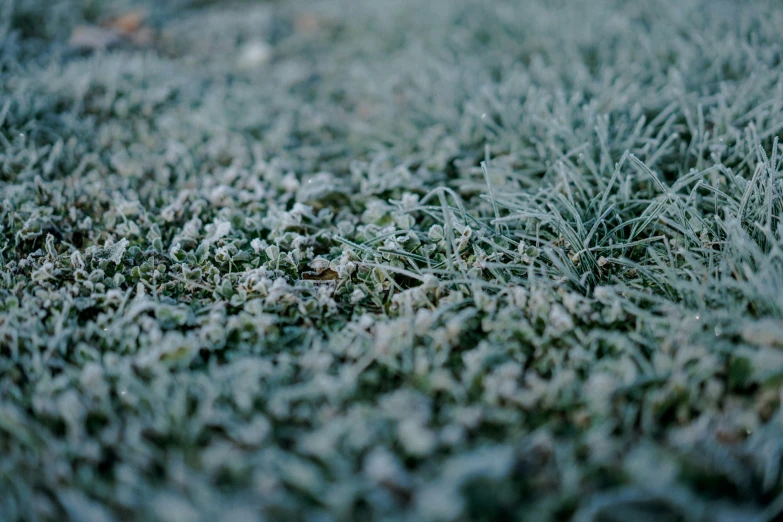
346 260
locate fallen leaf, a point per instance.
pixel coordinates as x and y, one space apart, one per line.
326 275
129 22
128 28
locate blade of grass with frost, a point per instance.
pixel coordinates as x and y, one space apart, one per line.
491 196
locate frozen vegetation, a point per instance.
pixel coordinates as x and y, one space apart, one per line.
391 260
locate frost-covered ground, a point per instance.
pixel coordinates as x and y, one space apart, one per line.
391 260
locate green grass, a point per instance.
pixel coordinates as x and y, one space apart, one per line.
443 260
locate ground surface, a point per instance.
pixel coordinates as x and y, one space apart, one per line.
340 260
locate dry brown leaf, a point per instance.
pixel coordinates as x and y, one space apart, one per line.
126 28
129 22
326 275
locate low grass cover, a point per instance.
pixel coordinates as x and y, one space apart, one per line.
441 261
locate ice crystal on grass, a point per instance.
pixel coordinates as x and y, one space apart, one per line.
392 261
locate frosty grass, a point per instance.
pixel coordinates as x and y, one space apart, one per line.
441 261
